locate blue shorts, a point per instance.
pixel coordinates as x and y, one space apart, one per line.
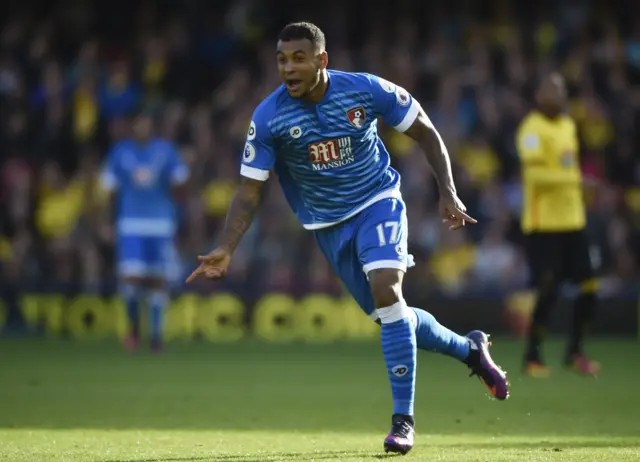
145 256
375 238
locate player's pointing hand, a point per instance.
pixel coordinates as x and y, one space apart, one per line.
212 266
453 212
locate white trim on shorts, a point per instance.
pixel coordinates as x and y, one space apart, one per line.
390 264
380 264
138 268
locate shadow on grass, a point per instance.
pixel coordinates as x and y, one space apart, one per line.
286 456
541 446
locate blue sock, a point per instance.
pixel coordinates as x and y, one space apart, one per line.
433 336
132 294
158 300
399 350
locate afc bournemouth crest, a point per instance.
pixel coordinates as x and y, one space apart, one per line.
357 116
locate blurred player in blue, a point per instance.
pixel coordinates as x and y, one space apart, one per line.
144 173
318 133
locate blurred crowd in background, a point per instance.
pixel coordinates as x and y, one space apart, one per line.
72 71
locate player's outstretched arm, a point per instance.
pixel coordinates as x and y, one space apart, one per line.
241 212
425 134
239 217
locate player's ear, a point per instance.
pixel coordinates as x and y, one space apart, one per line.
324 60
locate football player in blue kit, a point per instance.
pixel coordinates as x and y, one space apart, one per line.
143 173
319 133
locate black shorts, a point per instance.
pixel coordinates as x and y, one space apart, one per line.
566 256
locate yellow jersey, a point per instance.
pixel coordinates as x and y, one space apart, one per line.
551 176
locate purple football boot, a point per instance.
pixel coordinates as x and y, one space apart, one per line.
494 378
400 438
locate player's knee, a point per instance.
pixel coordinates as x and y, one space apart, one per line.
386 287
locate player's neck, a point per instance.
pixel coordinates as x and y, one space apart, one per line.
318 92
550 114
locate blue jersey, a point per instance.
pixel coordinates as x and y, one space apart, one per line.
328 156
143 176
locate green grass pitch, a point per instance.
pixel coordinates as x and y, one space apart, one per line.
64 401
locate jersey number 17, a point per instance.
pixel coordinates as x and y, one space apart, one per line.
393 226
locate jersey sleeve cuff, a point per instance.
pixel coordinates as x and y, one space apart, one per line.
409 117
254 173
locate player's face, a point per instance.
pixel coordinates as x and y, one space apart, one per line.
300 66
143 127
552 95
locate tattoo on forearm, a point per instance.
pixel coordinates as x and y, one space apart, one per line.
241 212
424 133
438 158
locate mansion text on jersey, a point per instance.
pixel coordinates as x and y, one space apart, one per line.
330 154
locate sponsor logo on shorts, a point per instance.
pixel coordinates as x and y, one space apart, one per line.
400 370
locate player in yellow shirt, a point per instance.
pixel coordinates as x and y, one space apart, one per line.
553 222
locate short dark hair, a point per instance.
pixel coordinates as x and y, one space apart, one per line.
302 31
547 76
